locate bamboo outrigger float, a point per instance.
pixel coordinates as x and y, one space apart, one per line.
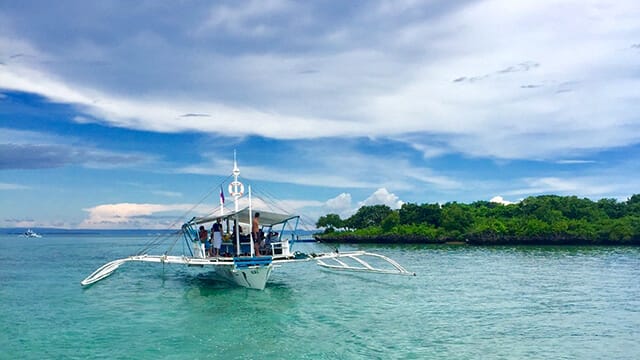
238 262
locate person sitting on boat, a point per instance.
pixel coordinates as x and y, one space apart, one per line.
216 236
255 232
203 235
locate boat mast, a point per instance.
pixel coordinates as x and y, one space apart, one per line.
236 191
251 239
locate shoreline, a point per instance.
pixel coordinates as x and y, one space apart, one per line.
473 241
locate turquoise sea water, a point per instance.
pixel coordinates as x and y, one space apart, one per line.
465 303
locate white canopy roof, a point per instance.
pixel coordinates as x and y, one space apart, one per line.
266 217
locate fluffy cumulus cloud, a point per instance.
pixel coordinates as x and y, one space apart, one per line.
500 200
343 204
340 204
383 197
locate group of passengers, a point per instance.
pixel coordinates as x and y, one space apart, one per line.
213 243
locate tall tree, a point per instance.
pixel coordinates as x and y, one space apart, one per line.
368 216
330 222
456 217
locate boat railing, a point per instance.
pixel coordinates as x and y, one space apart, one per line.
280 248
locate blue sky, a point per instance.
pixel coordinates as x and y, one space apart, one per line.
118 114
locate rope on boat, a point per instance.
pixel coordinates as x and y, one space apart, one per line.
160 238
273 202
108 268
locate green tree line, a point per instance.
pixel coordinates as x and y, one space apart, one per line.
536 220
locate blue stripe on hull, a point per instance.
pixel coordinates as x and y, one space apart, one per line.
243 262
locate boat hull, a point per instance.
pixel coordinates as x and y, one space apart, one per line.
253 277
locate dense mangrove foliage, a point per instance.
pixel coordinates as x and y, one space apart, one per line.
539 220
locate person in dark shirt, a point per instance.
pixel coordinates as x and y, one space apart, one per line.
255 232
204 238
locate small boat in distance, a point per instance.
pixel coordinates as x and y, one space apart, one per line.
247 258
32 234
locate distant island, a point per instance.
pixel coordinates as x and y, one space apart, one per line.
536 220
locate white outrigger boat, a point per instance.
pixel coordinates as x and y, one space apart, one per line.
238 262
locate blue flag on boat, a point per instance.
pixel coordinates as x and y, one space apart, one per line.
221 195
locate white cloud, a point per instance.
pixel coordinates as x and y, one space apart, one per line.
243 19
308 177
295 206
9 186
584 186
534 64
12 136
344 207
167 193
574 161
132 216
163 216
500 200
427 150
357 170
340 204
162 114
22 223
495 116
382 197
427 176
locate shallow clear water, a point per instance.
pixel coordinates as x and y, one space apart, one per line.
465 303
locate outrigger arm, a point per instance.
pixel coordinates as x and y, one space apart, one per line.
360 264
108 268
103 271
